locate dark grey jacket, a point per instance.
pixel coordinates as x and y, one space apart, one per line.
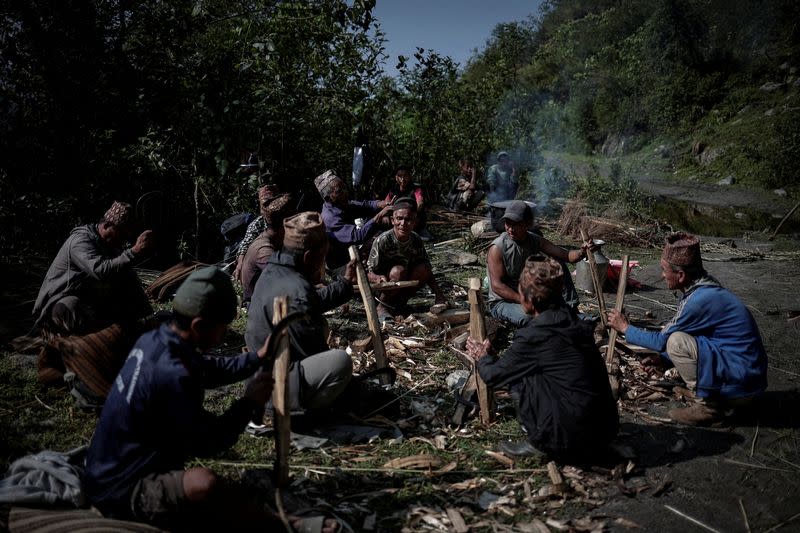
281 277
565 400
88 268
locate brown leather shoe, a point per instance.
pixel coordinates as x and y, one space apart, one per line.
697 414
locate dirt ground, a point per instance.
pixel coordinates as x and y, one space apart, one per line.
741 478
747 474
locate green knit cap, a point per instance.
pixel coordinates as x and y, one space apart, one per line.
208 293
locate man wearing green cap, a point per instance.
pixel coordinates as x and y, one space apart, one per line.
154 420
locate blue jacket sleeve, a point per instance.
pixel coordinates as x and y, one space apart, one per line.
690 318
219 371
348 234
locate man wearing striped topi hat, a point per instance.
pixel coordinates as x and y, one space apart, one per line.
713 340
91 283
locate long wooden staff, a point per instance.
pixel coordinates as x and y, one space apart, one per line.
612 336
280 396
372 316
598 288
477 330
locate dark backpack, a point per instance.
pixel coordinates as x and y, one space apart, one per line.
233 230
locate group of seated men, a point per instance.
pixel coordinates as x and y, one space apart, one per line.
153 419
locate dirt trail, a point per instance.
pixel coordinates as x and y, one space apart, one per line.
714 472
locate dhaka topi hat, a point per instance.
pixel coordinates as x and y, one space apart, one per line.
542 278
208 293
119 214
304 231
324 181
265 192
682 249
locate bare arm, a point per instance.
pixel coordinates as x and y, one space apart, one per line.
494 262
557 252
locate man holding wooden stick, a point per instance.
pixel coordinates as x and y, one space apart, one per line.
506 259
154 421
713 340
318 375
554 372
399 255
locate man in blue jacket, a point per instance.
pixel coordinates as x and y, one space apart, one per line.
713 340
154 421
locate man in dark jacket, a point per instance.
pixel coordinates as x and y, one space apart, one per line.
91 283
154 420
555 372
317 374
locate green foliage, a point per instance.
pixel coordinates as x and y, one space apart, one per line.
111 100
615 195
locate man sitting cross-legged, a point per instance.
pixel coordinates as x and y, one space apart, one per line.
713 340
154 421
506 258
554 371
318 375
399 255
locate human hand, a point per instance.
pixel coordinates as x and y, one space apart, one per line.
259 389
384 212
617 321
144 242
477 349
237 272
350 271
262 352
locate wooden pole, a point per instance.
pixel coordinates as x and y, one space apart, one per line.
477 330
612 336
372 316
280 397
390 285
598 288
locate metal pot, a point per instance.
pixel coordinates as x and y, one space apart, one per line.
583 271
497 210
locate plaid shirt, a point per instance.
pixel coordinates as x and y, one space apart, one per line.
254 229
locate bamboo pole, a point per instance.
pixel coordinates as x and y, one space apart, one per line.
372 316
280 397
477 330
598 288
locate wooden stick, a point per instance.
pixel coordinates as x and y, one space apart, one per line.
612 336
784 220
280 397
390 285
372 316
477 330
598 289
692 520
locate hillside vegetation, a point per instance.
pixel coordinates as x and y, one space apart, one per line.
113 100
